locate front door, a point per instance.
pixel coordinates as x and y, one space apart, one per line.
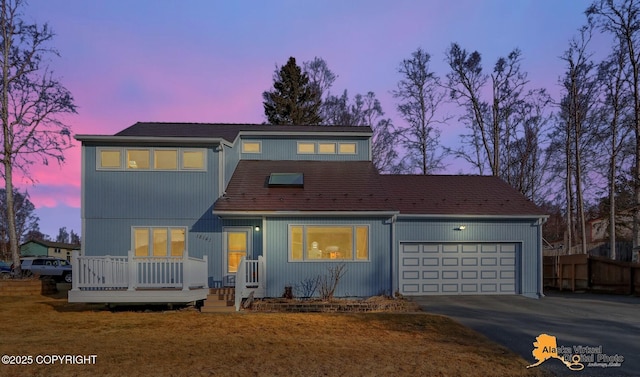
237 244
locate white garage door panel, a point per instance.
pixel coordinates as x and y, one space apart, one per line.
448 268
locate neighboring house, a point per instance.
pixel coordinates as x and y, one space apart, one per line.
302 198
38 248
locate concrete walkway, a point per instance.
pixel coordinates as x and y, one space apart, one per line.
575 319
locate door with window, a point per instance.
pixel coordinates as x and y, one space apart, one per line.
237 244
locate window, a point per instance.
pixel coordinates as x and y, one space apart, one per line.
165 159
329 243
251 147
151 159
110 159
138 159
347 148
286 180
193 159
327 148
159 241
306 148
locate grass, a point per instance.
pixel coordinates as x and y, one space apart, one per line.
188 343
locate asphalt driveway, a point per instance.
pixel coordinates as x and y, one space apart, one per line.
575 319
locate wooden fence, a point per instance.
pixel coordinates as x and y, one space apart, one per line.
597 274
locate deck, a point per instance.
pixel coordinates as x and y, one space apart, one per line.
144 280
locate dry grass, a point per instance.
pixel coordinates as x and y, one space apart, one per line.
188 343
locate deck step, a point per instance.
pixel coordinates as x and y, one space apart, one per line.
219 300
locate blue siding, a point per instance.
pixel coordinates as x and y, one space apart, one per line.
362 279
524 232
231 158
286 149
116 201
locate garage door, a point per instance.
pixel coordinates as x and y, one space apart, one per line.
450 269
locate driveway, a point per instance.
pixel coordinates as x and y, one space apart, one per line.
575 319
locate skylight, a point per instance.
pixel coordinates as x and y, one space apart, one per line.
286 180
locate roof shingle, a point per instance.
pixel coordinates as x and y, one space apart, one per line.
357 186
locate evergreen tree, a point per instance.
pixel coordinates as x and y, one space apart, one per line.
294 100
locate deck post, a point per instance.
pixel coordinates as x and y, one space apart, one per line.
75 270
186 271
133 268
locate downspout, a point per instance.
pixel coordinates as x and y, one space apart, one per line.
221 175
541 221
394 257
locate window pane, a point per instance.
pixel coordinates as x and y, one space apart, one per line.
165 159
177 242
110 159
296 243
327 148
141 242
329 242
251 147
193 160
362 243
138 159
348 148
159 242
306 148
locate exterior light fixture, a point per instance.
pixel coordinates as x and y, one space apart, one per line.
257 228
461 227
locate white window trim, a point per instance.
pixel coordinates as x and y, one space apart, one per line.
168 228
99 151
315 147
335 147
259 142
124 159
204 162
304 236
355 148
153 158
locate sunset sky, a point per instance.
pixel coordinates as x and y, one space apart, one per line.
209 61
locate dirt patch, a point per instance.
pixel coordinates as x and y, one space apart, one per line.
189 343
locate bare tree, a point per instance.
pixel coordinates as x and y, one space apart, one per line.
578 116
320 75
26 221
31 102
507 130
420 95
621 19
615 132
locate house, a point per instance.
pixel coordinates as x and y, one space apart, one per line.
38 248
275 206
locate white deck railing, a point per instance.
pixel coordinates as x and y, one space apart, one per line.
250 277
132 272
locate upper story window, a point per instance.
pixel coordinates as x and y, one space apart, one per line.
306 148
151 159
138 159
347 148
193 159
327 148
165 159
110 159
251 147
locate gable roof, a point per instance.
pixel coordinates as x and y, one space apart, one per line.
226 131
457 195
55 245
327 186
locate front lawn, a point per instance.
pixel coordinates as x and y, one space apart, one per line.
189 343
